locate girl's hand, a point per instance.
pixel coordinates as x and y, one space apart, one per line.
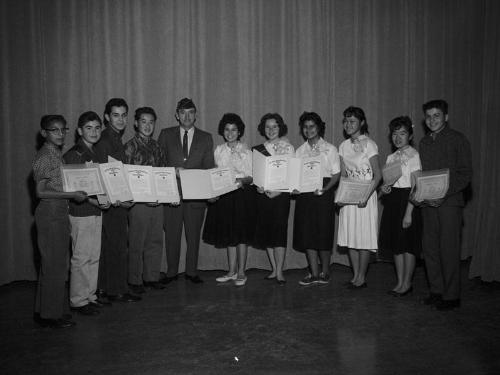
295 192
386 189
407 221
319 192
175 204
272 194
362 204
105 206
260 190
152 204
213 200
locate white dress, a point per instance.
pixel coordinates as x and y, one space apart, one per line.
358 227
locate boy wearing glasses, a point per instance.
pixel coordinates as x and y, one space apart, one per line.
52 223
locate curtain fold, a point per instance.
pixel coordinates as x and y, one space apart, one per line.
249 57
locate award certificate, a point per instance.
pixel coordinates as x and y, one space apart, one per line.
140 181
116 182
430 185
304 174
391 172
352 191
206 183
270 172
82 177
165 183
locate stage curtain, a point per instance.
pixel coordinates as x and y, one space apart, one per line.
248 57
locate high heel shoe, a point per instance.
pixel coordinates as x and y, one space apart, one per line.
407 292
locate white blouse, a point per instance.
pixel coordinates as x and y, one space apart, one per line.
410 162
239 158
356 156
330 161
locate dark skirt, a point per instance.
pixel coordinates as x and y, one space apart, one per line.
314 220
230 220
271 224
393 238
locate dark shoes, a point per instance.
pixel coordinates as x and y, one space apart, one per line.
354 287
447 304
154 285
402 294
433 299
194 279
53 323
88 310
137 289
168 279
126 297
102 298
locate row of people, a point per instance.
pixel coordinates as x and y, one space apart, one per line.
127 255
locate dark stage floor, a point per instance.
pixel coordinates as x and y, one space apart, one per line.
262 328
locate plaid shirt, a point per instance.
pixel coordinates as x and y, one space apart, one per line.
47 166
144 151
449 149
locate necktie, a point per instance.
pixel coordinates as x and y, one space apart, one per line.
185 145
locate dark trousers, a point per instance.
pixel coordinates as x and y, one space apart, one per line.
53 231
114 254
441 249
145 243
191 215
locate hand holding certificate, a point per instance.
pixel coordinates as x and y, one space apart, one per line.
206 183
82 177
430 185
352 191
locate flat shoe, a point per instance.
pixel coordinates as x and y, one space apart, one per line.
127 297
194 279
281 282
240 282
361 286
269 278
408 291
226 278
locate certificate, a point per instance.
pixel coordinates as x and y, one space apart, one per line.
206 183
430 185
304 174
115 181
165 184
140 181
270 172
82 177
391 172
352 191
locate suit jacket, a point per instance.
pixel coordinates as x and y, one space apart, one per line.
201 153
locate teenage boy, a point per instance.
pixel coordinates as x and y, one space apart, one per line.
442 148
52 223
145 236
114 259
185 146
86 223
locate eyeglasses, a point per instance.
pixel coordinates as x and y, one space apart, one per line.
61 131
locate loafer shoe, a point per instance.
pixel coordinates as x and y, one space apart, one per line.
55 323
194 279
137 288
432 299
447 304
226 278
88 310
240 282
154 285
168 279
361 286
126 297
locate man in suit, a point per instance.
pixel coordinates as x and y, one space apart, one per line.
185 147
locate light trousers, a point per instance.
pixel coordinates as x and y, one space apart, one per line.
86 245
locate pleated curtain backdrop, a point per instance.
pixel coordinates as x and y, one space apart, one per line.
249 57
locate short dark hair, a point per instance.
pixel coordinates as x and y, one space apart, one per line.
314 117
440 104
401 122
88 116
48 120
143 111
185 103
360 115
231 118
114 102
283 129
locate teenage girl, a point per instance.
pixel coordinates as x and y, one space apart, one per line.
358 224
230 220
400 229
